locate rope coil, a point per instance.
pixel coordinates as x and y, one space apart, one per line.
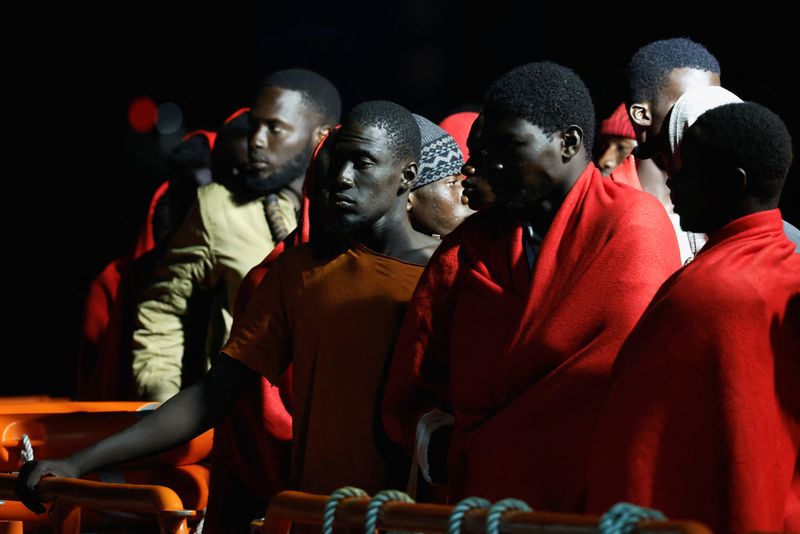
461 509
329 515
623 517
497 510
376 504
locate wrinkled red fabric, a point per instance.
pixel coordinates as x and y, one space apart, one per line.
703 417
625 173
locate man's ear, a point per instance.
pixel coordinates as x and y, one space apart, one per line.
571 141
739 179
640 114
320 132
409 177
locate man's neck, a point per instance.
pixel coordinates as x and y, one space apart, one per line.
745 207
541 216
393 236
654 181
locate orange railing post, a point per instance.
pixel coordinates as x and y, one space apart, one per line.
66 518
68 496
174 521
10 527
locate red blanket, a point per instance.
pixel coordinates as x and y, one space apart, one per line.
703 417
523 360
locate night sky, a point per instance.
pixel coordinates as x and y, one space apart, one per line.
80 191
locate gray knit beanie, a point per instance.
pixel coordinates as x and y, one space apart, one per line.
440 156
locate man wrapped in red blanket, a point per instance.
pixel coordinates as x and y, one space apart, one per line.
519 315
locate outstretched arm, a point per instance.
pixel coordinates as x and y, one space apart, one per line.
183 417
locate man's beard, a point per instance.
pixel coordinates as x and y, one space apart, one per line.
346 228
279 178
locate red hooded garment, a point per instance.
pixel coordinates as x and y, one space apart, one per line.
146 241
251 457
523 360
703 417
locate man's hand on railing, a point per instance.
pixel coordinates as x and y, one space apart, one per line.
32 472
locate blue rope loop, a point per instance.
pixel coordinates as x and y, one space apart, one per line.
461 509
623 517
497 510
329 515
376 504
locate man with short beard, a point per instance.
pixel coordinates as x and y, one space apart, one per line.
230 228
559 270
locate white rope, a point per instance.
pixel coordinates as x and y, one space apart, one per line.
27 449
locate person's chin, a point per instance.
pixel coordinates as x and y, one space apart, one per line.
513 206
261 183
345 225
689 225
686 221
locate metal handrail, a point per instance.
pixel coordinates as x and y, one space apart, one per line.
291 507
69 495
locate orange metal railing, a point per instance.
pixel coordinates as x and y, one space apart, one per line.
68 496
65 406
292 507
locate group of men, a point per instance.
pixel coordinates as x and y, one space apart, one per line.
550 347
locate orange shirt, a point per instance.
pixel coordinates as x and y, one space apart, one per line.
335 319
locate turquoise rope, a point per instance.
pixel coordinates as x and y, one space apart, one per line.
461 509
623 517
329 515
498 509
377 502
